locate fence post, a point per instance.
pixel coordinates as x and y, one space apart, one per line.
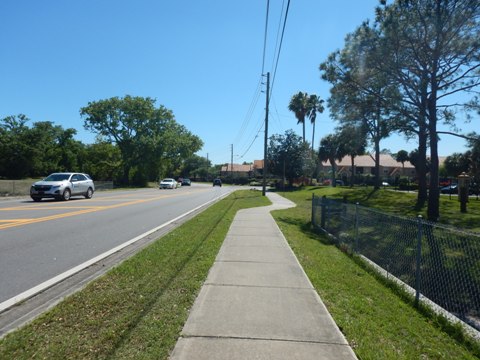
324 212
313 210
356 227
418 260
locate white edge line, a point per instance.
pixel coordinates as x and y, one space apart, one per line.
49 283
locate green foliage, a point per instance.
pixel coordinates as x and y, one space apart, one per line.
455 164
197 167
405 73
136 143
38 150
305 105
314 106
151 143
102 161
15 147
288 156
402 156
331 149
299 105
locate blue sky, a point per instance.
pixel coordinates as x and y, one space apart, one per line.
201 59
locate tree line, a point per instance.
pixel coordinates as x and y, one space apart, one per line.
417 65
136 142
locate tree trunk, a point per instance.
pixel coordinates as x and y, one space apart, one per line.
421 168
422 143
126 174
313 135
377 163
334 183
433 193
433 211
353 171
303 124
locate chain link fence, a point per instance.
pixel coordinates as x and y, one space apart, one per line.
440 263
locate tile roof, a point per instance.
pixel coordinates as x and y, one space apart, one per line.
386 160
237 168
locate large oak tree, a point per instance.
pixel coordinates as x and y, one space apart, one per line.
150 141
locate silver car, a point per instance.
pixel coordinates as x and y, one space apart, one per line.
62 186
168 183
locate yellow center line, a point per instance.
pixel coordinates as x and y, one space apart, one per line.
20 222
12 220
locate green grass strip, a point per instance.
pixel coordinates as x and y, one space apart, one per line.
136 310
377 323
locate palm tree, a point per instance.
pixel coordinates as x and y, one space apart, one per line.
402 156
354 140
331 149
299 106
314 105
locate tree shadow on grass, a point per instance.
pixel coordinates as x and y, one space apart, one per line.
307 229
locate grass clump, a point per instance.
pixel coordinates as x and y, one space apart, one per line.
138 309
377 322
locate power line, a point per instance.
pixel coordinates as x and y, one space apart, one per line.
280 47
253 141
257 93
278 33
253 135
265 37
250 111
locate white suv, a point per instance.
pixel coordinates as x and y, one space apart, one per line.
62 186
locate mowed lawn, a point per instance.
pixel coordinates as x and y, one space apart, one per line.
137 310
404 204
378 323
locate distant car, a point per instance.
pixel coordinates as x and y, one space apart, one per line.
186 182
168 183
217 182
339 182
450 189
63 186
384 183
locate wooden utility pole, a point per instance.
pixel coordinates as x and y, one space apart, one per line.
264 188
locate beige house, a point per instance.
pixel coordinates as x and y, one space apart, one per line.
237 170
258 165
365 165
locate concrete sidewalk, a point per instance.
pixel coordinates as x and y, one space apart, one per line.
257 302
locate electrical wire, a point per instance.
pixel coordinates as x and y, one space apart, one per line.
253 104
253 135
278 33
280 48
248 115
265 37
255 138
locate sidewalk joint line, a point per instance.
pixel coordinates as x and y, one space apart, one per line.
219 337
252 262
261 286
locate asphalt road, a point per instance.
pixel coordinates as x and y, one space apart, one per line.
47 240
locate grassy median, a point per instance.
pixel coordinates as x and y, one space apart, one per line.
137 310
377 323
